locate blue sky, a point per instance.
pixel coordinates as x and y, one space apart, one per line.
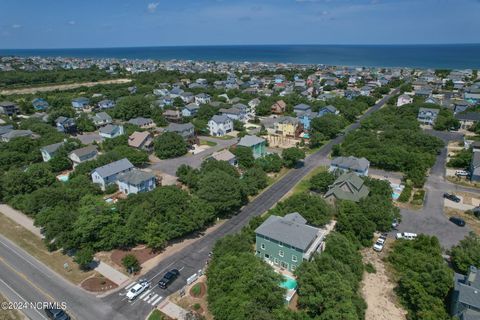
117 23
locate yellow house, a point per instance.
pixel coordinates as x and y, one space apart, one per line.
287 126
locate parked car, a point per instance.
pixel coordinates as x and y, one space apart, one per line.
168 278
458 221
378 246
56 314
406 236
462 173
395 223
451 197
137 289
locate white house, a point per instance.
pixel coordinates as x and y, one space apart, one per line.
202 98
111 131
403 100
109 173
220 125
135 181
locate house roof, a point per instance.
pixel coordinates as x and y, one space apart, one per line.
426 110
223 155
137 138
472 116
351 163
84 151
220 119
231 111
109 128
114 168
476 160
135 177
468 287
290 230
102 116
348 186
5 129
17 134
51 148
179 127
302 106
7 104
140 121
192 106
249 141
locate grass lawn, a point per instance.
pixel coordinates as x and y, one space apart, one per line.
304 184
463 182
156 315
9 314
227 137
471 220
207 143
35 247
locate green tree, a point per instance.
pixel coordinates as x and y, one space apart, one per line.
244 157
222 191
270 163
321 181
130 263
170 145
466 253
254 179
83 258
291 156
131 107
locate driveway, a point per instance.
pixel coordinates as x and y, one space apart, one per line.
170 166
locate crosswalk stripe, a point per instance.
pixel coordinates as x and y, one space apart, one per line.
153 298
130 285
156 301
145 293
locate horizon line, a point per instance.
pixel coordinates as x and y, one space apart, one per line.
247 45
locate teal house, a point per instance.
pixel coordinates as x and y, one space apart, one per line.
285 242
257 144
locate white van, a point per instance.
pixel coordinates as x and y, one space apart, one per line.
406 236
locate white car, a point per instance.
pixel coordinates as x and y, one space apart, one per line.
462 173
137 289
378 246
406 236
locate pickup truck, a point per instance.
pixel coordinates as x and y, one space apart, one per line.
137 289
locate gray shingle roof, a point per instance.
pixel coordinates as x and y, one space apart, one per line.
220 119
114 168
351 163
135 177
249 141
108 129
348 186
140 121
472 116
302 107
52 147
179 127
290 230
84 151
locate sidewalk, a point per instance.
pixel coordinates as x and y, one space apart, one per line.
172 310
20 218
111 273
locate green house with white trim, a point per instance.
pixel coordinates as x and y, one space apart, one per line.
285 242
257 144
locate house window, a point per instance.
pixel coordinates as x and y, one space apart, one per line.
293 267
294 258
267 256
275 260
280 244
262 246
281 253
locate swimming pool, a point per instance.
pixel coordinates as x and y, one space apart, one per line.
63 178
289 283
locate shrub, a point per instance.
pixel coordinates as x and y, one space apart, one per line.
405 195
131 264
370 268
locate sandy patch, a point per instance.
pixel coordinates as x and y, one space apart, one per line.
377 290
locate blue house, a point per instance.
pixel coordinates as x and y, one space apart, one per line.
190 110
300 108
306 118
40 104
80 103
106 104
66 125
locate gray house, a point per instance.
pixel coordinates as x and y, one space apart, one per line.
466 295
427 115
349 186
101 119
358 165
48 152
108 174
287 241
135 181
83 154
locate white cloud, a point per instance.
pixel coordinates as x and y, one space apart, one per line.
72 22
152 7
16 26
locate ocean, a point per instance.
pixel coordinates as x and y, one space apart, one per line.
451 56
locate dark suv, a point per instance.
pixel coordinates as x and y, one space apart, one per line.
168 278
451 197
458 221
56 314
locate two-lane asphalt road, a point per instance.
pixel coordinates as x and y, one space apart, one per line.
193 258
